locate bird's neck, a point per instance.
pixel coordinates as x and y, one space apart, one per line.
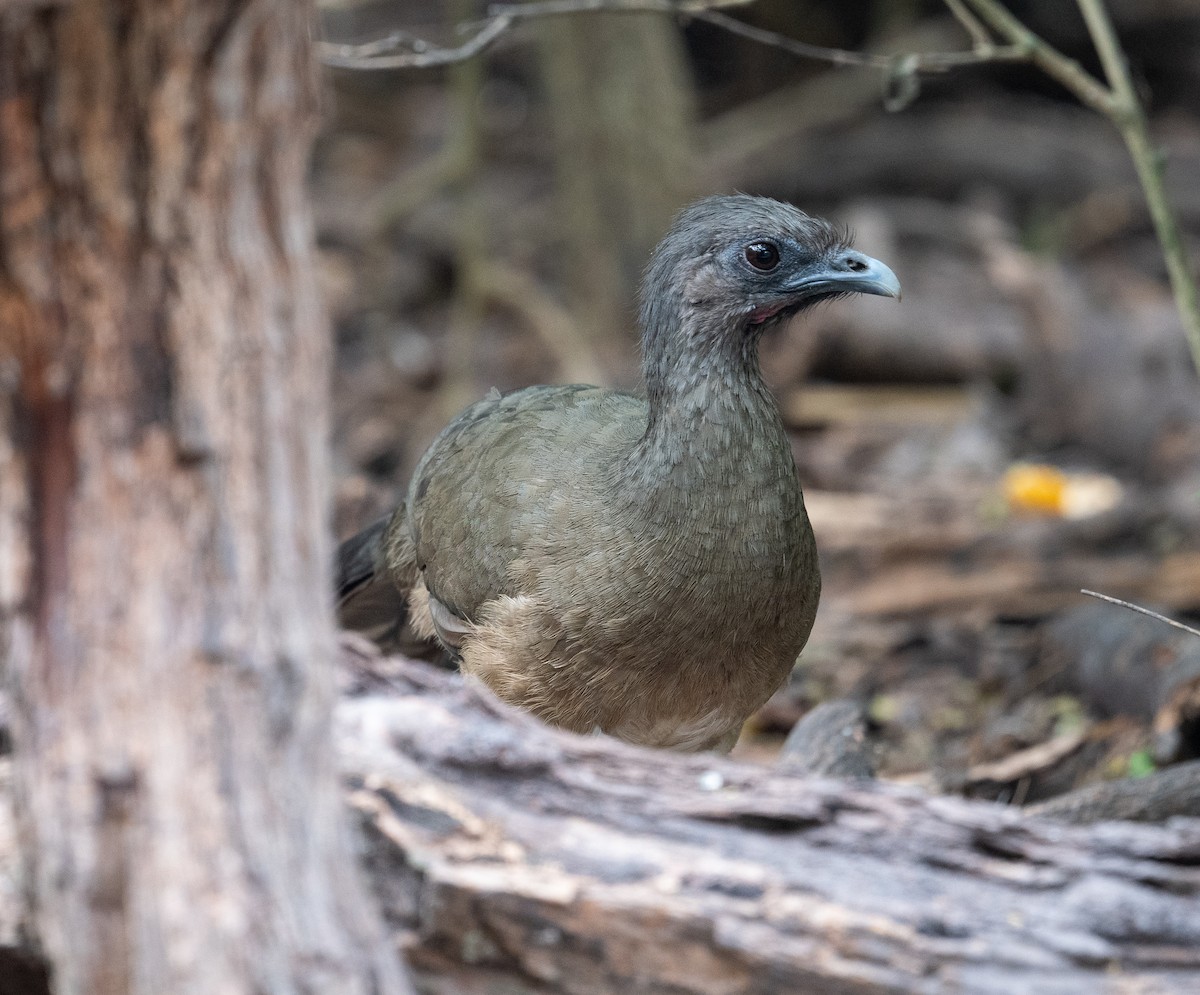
709 409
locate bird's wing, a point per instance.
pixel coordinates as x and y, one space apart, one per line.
505 475
369 599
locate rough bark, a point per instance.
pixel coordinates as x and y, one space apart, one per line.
166 631
516 858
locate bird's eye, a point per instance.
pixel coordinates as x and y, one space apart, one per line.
763 256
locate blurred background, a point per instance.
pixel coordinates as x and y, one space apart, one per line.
1025 424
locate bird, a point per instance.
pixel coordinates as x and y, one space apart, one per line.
638 564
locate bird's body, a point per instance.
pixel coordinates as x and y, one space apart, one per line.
720 594
641 566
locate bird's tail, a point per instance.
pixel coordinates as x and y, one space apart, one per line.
374 573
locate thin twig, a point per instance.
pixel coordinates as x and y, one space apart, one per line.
1130 118
838 56
423 54
1050 60
1139 608
980 36
385 45
915 61
1119 103
553 8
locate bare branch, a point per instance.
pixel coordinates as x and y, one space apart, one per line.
913 62
423 54
837 56
1119 103
1139 608
1046 57
980 36
1129 117
1111 57
419 53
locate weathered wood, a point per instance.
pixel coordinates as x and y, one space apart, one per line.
1154 798
859 404
513 857
1118 662
164 631
886 556
1020 584
832 740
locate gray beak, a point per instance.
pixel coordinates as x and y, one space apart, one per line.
850 272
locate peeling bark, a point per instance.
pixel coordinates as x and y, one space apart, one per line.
514 857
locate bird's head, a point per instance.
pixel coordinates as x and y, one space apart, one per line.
733 264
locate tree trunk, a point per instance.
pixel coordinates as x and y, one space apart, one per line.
167 631
622 108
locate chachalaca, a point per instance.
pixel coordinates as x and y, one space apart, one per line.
639 565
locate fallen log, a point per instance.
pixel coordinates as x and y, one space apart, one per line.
514 857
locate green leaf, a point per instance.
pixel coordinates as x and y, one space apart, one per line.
1141 763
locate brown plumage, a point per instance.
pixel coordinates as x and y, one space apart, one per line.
640 565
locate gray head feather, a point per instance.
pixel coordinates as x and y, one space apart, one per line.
700 293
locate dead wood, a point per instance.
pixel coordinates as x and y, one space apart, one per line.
881 557
1120 663
1028 762
1155 798
1177 724
862 404
832 740
508 854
